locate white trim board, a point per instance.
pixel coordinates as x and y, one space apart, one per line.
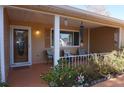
12 64
2 50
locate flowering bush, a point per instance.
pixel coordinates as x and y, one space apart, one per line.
111 63
60 76
80 79
98 67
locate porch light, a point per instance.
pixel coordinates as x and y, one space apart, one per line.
37 32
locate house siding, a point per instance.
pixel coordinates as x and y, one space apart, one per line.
42 41
102 39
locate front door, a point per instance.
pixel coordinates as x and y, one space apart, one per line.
21 42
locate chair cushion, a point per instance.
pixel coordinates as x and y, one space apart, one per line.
50 52
67 53
82 51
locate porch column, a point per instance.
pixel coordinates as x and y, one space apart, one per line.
2 58
56 39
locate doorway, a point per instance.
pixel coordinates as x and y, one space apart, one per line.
20 46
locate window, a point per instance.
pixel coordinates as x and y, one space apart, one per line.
67 38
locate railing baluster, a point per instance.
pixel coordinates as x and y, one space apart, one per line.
75 63
71 58
84 59
81 60
74 60
77 60
69 62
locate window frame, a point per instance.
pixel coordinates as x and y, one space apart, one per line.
65 30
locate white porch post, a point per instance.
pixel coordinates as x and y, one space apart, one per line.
2 58
56 39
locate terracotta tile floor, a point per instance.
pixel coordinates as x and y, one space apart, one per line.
28 76
114 82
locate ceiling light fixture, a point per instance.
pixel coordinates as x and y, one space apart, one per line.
37 32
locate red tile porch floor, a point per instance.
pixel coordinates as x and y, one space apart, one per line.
28 76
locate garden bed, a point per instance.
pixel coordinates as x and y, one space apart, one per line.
99 69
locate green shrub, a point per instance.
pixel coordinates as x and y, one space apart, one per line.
111 63
4 85
90 72
103 65
97 68
116 61
60 76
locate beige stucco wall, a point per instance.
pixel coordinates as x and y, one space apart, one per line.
102 39
38 41
42 41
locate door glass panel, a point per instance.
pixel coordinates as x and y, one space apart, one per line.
20 45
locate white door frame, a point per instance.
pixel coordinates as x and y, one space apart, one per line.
12 64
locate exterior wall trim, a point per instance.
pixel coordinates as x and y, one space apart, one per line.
2 50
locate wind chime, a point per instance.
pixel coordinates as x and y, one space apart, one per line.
81 33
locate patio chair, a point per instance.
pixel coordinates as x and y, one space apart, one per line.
67 53
82 51
50 54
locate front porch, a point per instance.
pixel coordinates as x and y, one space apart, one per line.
45 32
28 76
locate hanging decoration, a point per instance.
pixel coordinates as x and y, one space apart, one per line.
81 32
66 22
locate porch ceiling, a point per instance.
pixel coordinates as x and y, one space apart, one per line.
36 17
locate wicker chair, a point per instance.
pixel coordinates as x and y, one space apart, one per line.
50 54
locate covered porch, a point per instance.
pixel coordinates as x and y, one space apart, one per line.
28 76
46 29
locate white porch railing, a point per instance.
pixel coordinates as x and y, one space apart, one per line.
77 60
